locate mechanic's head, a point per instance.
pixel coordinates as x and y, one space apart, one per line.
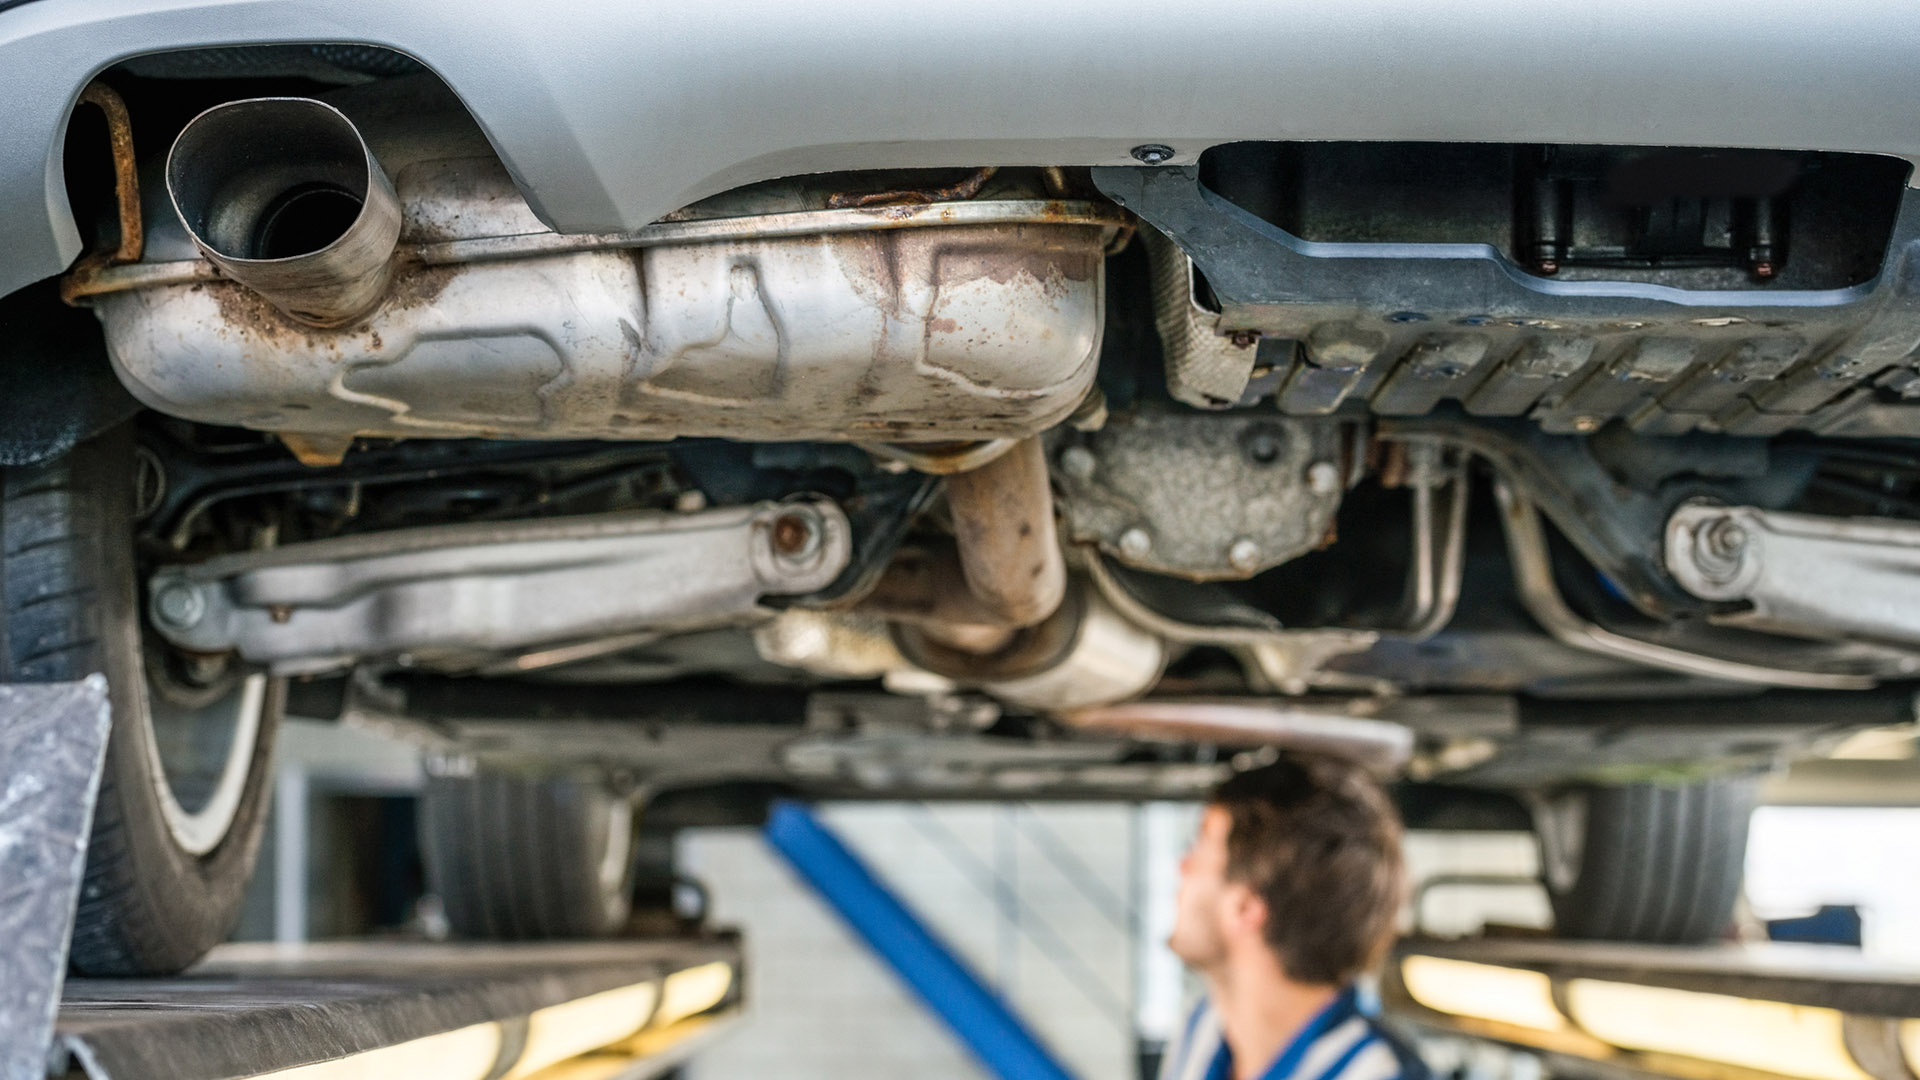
1300 858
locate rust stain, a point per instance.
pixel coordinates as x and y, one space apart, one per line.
416 286
252 315
960 192
316 451
1055 267
126 190
248 312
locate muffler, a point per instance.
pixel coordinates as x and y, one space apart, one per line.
753 316
284 196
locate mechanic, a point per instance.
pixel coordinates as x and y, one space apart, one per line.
1288 895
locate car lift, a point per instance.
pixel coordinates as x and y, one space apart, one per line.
618 1010
610 1010
1628 1012
635 1009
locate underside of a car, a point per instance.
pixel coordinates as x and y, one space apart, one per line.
1563 481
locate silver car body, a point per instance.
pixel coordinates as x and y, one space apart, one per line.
609 116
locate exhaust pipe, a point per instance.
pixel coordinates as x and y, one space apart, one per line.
1003 526
1002 573
284 196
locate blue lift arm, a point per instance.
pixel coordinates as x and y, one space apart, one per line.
983 1023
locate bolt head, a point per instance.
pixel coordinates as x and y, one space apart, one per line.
1323 478
1727 538
1135 543
1261 443
1153 153
179 605
1720 549
1244 555
1078 462
794 535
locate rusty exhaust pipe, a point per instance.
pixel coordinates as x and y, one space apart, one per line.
1002 573
992 608
1003 525
285 197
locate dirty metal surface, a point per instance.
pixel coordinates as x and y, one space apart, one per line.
445 594
253 1009
1197 496
1801 574
776 320
53 738
1402 327
1205 368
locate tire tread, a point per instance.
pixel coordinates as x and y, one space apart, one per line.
57 580
516 858
1661 863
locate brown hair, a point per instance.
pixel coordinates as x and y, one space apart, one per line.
1317 839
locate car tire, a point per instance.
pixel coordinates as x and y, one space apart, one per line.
1645 862
528 857
177 822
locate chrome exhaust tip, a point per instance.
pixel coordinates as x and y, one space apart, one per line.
285 197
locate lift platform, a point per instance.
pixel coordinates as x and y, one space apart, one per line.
1613 1012
613 1010
603 1010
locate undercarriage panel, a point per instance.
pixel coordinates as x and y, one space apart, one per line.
1614 314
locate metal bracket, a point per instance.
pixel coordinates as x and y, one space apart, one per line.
1405 326
53 741
1801 573
1540 595
451 595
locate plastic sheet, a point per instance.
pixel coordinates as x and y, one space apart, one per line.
53 738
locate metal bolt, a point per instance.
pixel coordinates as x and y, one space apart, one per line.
795 534
689 501
1323 478
1719 548
1135 543
179 605
1152 154
1726 539
1262 444
1244 555
1078 462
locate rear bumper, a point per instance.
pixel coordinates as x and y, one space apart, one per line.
611 115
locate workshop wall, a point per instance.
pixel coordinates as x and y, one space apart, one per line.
1041 901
